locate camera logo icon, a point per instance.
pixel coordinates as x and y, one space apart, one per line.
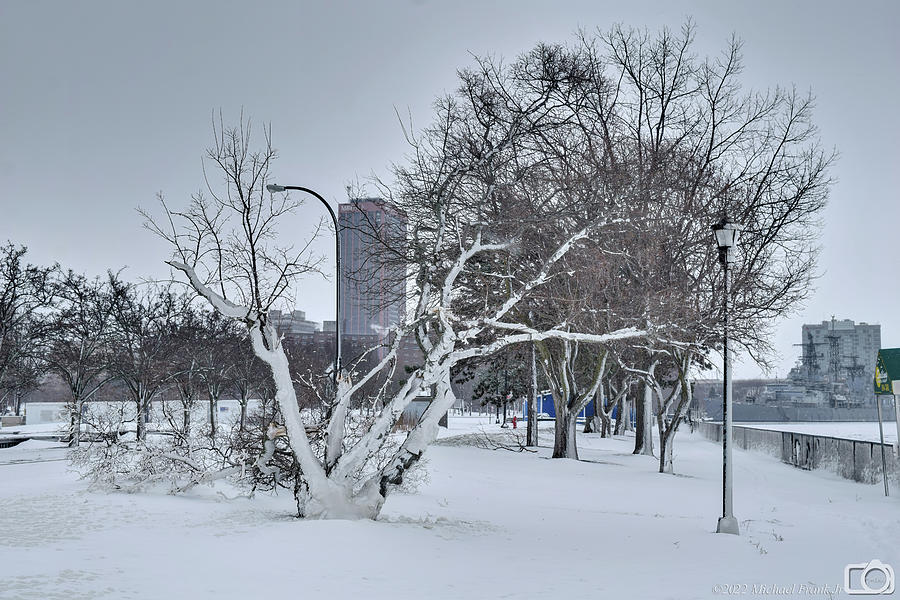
869 579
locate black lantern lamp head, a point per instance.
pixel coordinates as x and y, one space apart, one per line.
727 235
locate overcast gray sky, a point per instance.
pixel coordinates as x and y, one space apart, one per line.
103 104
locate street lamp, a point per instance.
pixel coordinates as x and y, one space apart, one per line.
727 234
275 188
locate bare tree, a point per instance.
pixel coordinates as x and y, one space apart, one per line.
687 146
459 202
502 379
144 319
250 379
81 335
185 343
217 354
698 148
23 376
26 294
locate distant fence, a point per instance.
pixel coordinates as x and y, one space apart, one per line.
858 460
789 414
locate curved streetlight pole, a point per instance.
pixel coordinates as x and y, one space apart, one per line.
727 234
274 188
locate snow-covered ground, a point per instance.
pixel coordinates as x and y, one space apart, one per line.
848 430
36 429
487 524
49 418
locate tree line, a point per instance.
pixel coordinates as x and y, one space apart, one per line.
111 340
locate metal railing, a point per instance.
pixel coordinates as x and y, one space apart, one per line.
858 460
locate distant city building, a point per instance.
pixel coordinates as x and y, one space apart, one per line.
293 323
318 348
839 354
372 292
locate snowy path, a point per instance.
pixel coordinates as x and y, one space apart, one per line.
488 524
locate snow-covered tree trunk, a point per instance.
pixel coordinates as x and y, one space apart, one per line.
643 439
318 496
592 422
597 420
669 427
212 416
564 442
667 462
621 406
140 417
571 447
75 423
243 422
606 427
186 420
564 432
601 413
568 399
665 456
419 438
76 409
629 424
647 432
531 434
337 423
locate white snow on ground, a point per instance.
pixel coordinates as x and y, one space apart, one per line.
849 430
36 429
487 524
33 450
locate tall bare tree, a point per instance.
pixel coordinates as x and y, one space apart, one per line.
144 318
26 294
80 341
464 195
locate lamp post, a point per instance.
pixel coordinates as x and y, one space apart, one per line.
727 234
274 188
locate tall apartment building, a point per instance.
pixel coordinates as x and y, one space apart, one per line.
841 351
372 291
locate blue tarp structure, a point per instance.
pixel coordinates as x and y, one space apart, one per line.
545 406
